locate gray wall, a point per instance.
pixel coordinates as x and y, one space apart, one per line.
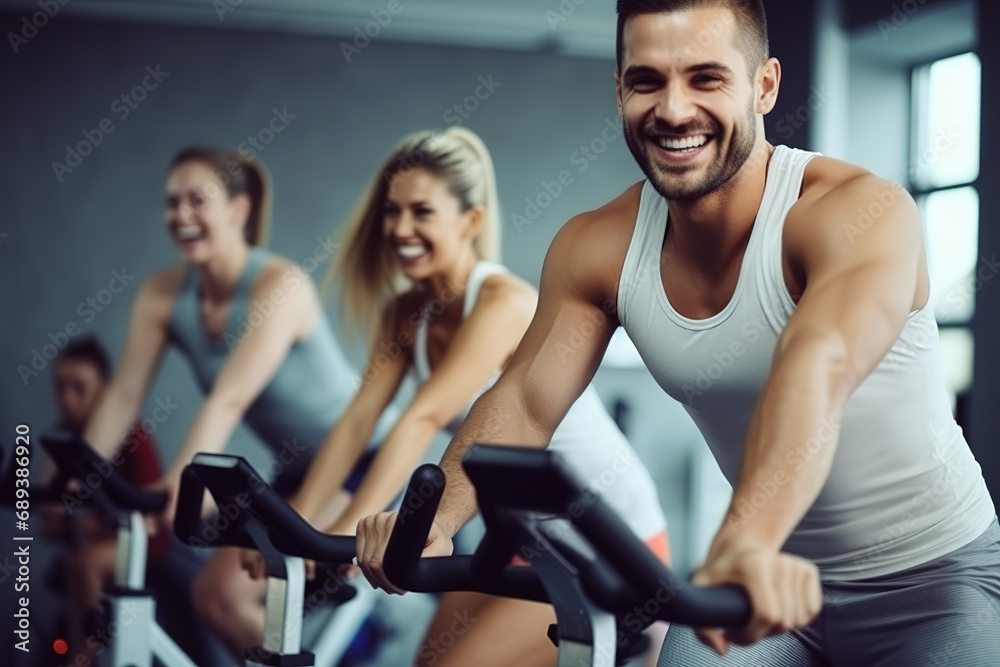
65 238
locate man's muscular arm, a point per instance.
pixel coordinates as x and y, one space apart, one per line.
859 293
547 373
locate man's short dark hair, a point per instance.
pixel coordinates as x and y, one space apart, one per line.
750 18
89 349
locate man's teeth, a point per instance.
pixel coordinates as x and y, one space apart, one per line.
683 143
189 233
411 251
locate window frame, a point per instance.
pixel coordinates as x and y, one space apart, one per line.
918 192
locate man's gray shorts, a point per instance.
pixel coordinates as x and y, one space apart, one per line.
942 613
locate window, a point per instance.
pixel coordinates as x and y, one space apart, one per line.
943 170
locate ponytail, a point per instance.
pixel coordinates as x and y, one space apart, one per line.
259 190
487 244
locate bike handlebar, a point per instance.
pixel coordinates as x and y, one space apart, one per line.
513 485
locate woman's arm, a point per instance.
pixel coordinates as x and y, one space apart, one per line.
484 341
348 438
121 401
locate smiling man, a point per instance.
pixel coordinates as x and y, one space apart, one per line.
854 489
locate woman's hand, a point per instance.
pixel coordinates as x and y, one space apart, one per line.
373 537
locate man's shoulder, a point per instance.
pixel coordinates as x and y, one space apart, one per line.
838 192
612 222
840 199
589 250
830 182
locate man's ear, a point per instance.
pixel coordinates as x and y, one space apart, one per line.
768 81
618 93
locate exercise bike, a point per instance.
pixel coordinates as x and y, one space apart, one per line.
591 567
133 637
604 583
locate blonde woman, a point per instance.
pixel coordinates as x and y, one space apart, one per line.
251 326
418 270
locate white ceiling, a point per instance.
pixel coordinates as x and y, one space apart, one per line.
563 26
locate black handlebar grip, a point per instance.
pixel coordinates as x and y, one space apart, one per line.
413 525
716 606
76 458
188 515
140 500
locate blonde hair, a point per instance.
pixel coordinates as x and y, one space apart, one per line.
370 278
240 176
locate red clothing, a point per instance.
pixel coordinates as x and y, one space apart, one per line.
142 464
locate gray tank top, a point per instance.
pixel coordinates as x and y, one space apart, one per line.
307 394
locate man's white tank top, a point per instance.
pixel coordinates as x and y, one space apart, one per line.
587 437
904 487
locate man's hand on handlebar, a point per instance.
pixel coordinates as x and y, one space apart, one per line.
784 592
253 562
373 536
